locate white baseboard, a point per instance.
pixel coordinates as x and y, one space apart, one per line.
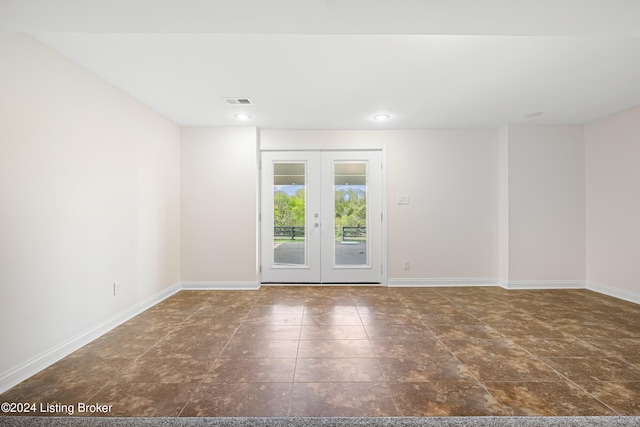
488 281
48 358
543 284
614 292
220 285
280 284
442 282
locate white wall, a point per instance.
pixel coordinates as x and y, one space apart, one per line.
613 204
89 191
219 201
546 205
449 231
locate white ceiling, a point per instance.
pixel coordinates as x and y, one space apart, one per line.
333 64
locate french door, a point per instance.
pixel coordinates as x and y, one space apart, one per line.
321 217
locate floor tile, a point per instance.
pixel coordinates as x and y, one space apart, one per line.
52 391
623 397
558 347
229 311
331 319
249 331
343 369
342 400
372 318
247 370
276 310
76 370
143 400
110 346
546 399
454 317
334 332
429 399
518 368
427 304
329 301
273 319
476 348
334 348
594 369
282 300
382 301
463 332
287 349
424 370
529 329
151 328
384 308
163 370
562 316
239 400
412 332
493 314
634 360
179 303
597 331
506 317
327 310
205 329
619 347
410 350
624 320
186 346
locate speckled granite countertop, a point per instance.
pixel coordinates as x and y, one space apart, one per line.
324 422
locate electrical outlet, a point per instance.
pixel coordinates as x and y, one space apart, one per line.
116 289
402 200
406 265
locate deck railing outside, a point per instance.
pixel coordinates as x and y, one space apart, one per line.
347 233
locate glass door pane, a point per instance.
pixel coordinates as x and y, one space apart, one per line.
320 217
290 217
350 210
289 214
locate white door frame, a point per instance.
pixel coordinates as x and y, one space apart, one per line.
383 205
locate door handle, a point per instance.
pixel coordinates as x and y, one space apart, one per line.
316 225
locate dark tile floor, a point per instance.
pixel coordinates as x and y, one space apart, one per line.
359 351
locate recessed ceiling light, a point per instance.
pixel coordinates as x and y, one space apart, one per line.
381 117
242 116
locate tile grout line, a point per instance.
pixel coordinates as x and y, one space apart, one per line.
384 378
295 364
568 380
214 360
137 358
536 357
507 409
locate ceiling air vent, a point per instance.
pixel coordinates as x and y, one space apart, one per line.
238 101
